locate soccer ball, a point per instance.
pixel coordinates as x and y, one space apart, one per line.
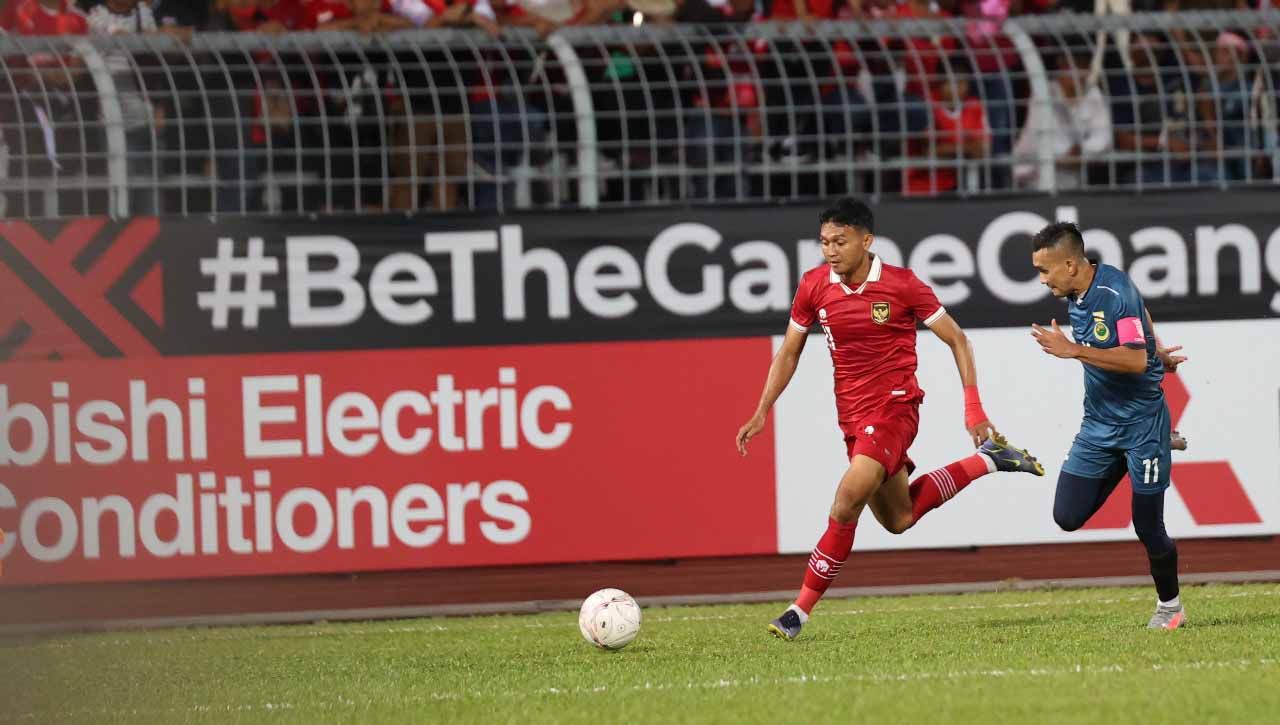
609 619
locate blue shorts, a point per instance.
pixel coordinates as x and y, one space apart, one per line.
1142 446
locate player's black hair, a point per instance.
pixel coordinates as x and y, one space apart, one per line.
1060 234
850 212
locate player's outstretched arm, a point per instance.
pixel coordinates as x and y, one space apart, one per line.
1171 361
781 370
1119 359
975 419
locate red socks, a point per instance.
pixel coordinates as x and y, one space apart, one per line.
935 488
927 493
825 562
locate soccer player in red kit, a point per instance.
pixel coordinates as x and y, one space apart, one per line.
868 311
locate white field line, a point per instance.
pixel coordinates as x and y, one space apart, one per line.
434 626
346 703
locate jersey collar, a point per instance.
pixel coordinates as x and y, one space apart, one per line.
873 276
1092 283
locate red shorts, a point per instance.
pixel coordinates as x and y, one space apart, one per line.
884 436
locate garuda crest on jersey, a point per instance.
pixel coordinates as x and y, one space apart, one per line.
879 312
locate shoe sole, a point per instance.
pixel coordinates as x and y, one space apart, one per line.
776 631
1003 444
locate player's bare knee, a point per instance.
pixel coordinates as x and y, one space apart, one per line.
899 524
846 510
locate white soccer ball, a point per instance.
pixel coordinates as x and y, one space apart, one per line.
609 619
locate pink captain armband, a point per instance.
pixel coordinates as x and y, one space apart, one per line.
1129 331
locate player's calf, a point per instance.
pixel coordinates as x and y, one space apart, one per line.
937 487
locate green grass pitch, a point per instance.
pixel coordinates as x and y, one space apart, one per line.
1069 656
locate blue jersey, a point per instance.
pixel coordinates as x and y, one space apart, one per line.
1108 314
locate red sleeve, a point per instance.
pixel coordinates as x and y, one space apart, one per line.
75 24
288 13
7 20
921 300
321 12
974 118
802 313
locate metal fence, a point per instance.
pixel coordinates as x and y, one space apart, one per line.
649 115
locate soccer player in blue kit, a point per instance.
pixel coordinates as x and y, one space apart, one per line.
1126 427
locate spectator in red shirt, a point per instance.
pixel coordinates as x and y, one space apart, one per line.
959 131
314 14
43 17
995 57
921 55
803 9
237 15
282 15
365 16
42 118
46 17
260 16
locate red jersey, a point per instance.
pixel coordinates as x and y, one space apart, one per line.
311 14
786 9
29 17
949 126
286 12
871 332
920 61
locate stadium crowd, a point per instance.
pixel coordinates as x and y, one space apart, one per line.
1175 107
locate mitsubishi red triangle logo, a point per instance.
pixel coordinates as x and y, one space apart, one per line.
149 294
1210 489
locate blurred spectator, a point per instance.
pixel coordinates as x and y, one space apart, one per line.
1082 122
51 95
598 12
920 55
995 58
919 59
432 149
262 16
286 143
282 15
173 86
1230 130
175 14
959 131
1138 116
42 17
543 16
144 121
365 16
506 127
789 95
722 120
417 12
235 105
313 14
239 15
807 9
1154 116
45 18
